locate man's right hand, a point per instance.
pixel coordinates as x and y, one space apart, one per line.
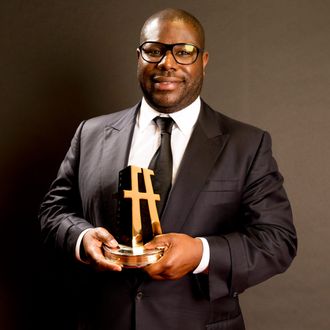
92 243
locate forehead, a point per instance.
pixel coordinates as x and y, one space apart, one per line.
170 32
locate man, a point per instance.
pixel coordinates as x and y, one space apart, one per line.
227 222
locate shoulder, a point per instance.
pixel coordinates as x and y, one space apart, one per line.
117 120
93 128
236 129
113 119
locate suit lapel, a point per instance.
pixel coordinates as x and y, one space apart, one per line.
115 151
204 148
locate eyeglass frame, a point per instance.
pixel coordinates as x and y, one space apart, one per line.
170 47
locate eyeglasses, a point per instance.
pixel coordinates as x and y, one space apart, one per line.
154 52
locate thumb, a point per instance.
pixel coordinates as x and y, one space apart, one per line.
106 238
158 241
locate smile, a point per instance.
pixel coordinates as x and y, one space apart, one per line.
162 83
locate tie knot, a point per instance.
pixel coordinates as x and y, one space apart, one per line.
165 124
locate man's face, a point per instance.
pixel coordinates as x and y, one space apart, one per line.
167 85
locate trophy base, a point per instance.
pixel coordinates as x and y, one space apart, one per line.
129 257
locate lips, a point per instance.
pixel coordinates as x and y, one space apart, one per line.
164 83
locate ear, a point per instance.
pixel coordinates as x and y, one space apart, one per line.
205 59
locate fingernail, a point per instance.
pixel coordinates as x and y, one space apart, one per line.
113 243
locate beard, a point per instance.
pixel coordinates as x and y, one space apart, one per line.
173 100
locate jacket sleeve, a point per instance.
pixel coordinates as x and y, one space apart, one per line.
61 210
265 243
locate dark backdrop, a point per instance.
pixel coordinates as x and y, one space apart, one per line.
67 60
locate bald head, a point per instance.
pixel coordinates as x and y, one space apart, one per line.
168 85
172 15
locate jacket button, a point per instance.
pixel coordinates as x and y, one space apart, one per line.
139 295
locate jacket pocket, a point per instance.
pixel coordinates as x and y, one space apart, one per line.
217 192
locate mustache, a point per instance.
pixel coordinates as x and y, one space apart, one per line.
167 76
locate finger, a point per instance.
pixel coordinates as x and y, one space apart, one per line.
154 272
93 242
158 277
103 264
99 262
105 237
158 241
161 273
161 268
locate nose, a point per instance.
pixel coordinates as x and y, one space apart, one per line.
168 61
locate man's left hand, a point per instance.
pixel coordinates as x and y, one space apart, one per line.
182 255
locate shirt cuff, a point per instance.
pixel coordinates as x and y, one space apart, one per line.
77 249
204 263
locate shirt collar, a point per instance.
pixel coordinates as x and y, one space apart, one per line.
185 119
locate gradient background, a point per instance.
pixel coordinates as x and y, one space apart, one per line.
67 60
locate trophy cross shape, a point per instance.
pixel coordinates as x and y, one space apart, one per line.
136 196
137 220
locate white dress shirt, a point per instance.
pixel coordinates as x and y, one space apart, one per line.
146 140
146 137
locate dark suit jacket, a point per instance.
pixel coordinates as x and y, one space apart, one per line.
228 190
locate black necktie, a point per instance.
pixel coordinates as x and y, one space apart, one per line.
162 163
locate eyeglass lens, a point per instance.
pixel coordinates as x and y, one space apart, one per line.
183 53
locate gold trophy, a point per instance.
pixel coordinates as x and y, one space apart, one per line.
137 219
